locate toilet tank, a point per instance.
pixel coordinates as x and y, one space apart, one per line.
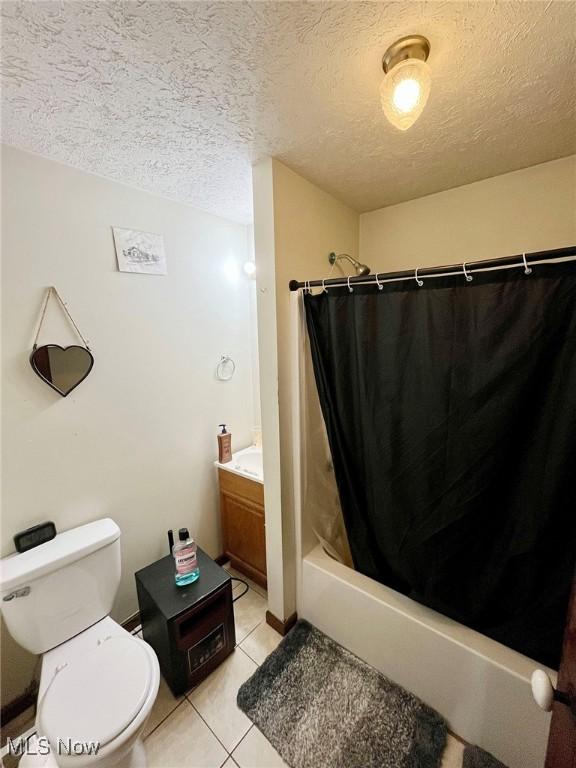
58 589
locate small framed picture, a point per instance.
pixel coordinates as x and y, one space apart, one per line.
141 252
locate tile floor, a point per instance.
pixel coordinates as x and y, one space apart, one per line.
205 728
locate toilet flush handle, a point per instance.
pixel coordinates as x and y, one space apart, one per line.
22 592
545 694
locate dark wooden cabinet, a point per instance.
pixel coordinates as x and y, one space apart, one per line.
191 628
243 524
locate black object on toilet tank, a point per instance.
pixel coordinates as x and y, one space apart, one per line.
33 537
190 628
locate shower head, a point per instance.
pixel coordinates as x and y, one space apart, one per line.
361 269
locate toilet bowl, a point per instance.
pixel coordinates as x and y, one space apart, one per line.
96 693
98 682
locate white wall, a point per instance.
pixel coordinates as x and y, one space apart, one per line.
529 210
137 439
296 226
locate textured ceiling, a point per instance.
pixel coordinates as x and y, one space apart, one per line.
179 98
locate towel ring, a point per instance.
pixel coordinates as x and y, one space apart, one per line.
419 281
349 286
527 269
379 284
467 275
225 362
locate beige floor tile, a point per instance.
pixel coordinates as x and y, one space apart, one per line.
184 741
260 643
453 754
165 703
249 611
215 699
252 584
255 751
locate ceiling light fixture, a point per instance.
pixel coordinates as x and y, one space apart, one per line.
406 86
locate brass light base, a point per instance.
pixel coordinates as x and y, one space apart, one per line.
410 47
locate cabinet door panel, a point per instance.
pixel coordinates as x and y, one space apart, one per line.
243 527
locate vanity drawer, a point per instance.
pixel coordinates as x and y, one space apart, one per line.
235 485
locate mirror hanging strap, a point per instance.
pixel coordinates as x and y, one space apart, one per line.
49 292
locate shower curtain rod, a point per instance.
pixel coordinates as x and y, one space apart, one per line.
469 267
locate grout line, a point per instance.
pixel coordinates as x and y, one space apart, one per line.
240 742
228 753
248 656
228 757
246 652
239 642
164 719
249 633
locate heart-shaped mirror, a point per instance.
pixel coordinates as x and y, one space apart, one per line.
62 368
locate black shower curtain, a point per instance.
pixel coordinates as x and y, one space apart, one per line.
451 415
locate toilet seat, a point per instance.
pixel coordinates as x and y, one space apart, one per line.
95 698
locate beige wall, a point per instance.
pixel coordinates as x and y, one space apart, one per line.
296 226
137 439
528 210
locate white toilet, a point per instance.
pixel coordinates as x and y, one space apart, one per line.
98 682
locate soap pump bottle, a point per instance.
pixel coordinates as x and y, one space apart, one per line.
224 445
185 558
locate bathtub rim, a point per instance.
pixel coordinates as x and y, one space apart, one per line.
506 658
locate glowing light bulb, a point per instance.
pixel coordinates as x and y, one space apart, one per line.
406 95
250 268
406 86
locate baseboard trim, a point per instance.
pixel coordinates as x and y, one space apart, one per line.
282 627
131 622
18 705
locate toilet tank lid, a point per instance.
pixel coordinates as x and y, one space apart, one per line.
67 547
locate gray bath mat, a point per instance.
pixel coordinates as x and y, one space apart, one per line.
322 707
474 757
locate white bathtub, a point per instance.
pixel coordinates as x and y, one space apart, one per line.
247 463
481 687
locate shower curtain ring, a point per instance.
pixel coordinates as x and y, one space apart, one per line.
527 269
418 280
378 283
467 275
324 289
307 288
349 286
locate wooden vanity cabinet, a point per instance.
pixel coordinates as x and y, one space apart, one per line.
243 522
